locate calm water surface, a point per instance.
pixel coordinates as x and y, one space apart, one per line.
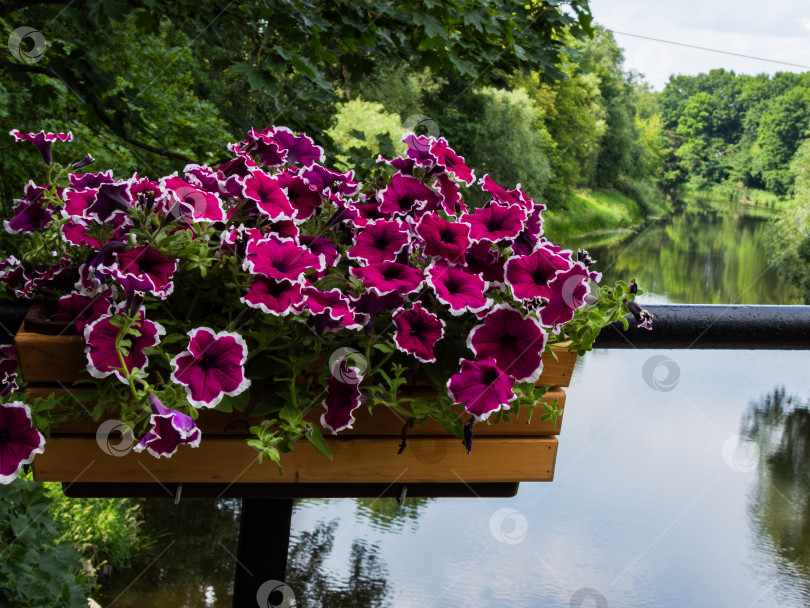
694 496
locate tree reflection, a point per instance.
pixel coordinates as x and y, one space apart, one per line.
780 506
192 562
387 515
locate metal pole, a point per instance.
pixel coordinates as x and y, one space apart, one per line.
705 326
261 560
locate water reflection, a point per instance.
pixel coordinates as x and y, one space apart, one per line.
779 424
711 258
192 562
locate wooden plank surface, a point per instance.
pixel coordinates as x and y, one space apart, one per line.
383 421
46 358
356 460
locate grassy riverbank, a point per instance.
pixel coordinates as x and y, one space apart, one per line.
593 211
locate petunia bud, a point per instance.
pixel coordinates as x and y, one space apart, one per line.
87 160
468 435
585 257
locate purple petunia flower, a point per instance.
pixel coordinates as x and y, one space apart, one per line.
328 182
102 357
504 196
568 291
342 398
187 203
495 223
273 297
319 245
81 309
300 149
418 330
482 387
9 366
81 181
380 241
451 194
19 440
42 141
169 428
145 269
418 149
457 288
408 195
32 212
526 242
483 260
268 195
514 341
529 275
277 259
263 147
388 277
302 197
211 367
112 201
333 306
444 239
451 161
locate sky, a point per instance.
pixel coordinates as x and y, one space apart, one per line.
777 30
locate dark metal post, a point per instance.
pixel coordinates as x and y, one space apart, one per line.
264 539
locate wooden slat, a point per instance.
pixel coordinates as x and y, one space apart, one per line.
558 371
46 358
383 421
356 460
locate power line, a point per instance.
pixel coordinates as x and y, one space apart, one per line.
703 48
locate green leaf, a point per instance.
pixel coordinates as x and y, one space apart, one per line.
384 347
291 414
316 438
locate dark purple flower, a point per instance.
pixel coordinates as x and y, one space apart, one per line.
111 200
268 195
417 332
145 269
642 317
169 428
300 149
81 181
379 241
369 211
241 166
334 306
514 341
495 223
302 197
370 303
30 215
483 260
526 242
457 288
443 239
9 366
273 297
102 357
81 309
482 387
388 277
319 245
504 196
407 195
19 440
264 148
325 181
211 367
277 259
342 398
400 164
285 230
86 161
567 290
42 141
451 161
529 275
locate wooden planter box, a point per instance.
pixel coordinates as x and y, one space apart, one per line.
366 454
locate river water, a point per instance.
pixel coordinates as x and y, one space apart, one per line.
683 486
